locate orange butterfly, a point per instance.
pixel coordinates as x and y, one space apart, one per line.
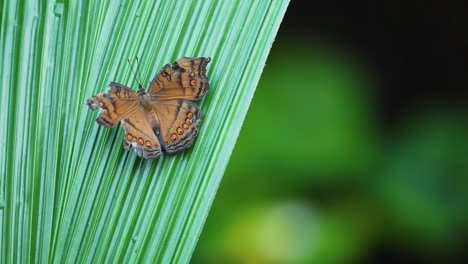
162 118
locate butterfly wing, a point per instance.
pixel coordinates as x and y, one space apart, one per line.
185 79
176 123
118 102
140 135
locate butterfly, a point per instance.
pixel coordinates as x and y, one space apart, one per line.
163 118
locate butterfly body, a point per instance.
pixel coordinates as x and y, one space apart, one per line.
145 100
163 118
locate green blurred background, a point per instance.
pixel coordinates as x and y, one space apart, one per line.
354 147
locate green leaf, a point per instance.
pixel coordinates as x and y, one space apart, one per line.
68 191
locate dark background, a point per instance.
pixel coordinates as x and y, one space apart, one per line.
354 148
417 49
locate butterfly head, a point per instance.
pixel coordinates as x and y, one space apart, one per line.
141 89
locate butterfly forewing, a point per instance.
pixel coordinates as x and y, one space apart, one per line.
185 79
119 101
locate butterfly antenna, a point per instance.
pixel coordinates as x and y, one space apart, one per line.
131 68
139 73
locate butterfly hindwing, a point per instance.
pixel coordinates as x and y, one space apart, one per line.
116 103
185 79
177 124
140 135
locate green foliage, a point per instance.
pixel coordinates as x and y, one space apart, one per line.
68 190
